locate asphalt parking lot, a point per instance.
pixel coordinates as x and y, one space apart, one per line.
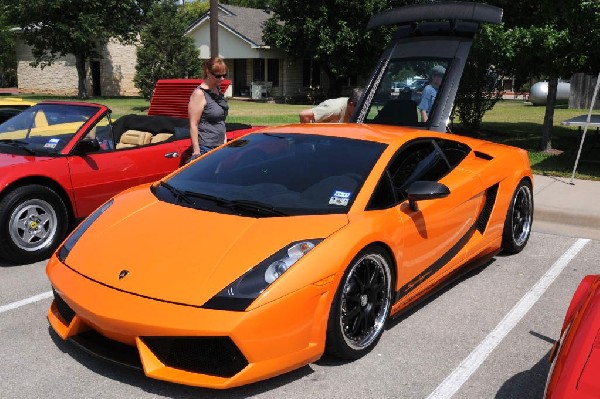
486 336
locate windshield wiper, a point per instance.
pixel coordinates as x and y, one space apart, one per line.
179 195
212 198
256 207
17 144
246 206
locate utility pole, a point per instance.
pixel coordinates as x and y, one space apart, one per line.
214 28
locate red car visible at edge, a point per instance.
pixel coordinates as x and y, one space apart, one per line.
575 358
60 160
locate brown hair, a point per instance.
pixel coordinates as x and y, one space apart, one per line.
356 94
214 63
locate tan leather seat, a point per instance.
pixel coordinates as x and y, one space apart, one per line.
132 138
157 138
91 134
40 119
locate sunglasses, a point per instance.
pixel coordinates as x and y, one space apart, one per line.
219 75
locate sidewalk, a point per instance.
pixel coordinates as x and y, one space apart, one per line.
566 209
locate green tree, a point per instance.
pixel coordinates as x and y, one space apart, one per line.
8 59
192 10
165 52
331 32
79 27
478 91
552 39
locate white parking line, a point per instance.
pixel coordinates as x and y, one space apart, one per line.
26 301
461 374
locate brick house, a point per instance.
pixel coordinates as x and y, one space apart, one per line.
112 75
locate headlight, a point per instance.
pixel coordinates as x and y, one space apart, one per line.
243 291
70 242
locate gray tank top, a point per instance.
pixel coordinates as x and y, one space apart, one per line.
212 122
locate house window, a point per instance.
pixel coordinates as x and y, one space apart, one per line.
273 71
311 73
258 70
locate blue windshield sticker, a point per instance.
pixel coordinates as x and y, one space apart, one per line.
53 140
340 198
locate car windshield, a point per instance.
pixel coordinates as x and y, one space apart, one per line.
276 174
408 79
44 128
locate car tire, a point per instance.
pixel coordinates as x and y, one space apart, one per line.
33 222
519 218
361 305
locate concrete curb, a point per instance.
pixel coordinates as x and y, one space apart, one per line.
566 209
566 217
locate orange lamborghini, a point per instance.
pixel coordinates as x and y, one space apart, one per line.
291 242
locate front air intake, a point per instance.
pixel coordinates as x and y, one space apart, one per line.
64 310
217 356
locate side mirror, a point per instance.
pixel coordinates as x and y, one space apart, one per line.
86 146
425 190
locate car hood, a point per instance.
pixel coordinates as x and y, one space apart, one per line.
183 255
12 157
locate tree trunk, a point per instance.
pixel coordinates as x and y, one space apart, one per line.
81 75
335 84
549 115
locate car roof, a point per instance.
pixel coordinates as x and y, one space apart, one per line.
11 101
391 135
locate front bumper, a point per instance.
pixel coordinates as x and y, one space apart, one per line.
187 344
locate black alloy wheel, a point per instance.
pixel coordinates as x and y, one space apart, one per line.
361 306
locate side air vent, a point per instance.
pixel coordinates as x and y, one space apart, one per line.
483 155
486 212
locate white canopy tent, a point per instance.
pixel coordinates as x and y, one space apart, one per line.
585 124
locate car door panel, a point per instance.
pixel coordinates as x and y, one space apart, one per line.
440 226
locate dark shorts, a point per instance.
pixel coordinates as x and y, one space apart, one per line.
206 148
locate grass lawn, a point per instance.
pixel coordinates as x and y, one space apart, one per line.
520 124
511 122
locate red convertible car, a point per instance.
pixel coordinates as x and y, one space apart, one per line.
61 160
575 358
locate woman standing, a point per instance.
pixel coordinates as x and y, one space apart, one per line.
208 109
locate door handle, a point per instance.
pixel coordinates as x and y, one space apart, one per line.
172 155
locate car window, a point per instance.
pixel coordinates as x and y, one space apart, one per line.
7 112
454 151
296 174
102 132
408 79
428 160
46 128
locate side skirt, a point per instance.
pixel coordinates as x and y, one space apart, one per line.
450 278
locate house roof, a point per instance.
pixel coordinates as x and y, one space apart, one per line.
247 23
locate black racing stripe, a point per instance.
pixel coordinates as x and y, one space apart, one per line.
437 265
481 260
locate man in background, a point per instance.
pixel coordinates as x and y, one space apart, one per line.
332 110
430 92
